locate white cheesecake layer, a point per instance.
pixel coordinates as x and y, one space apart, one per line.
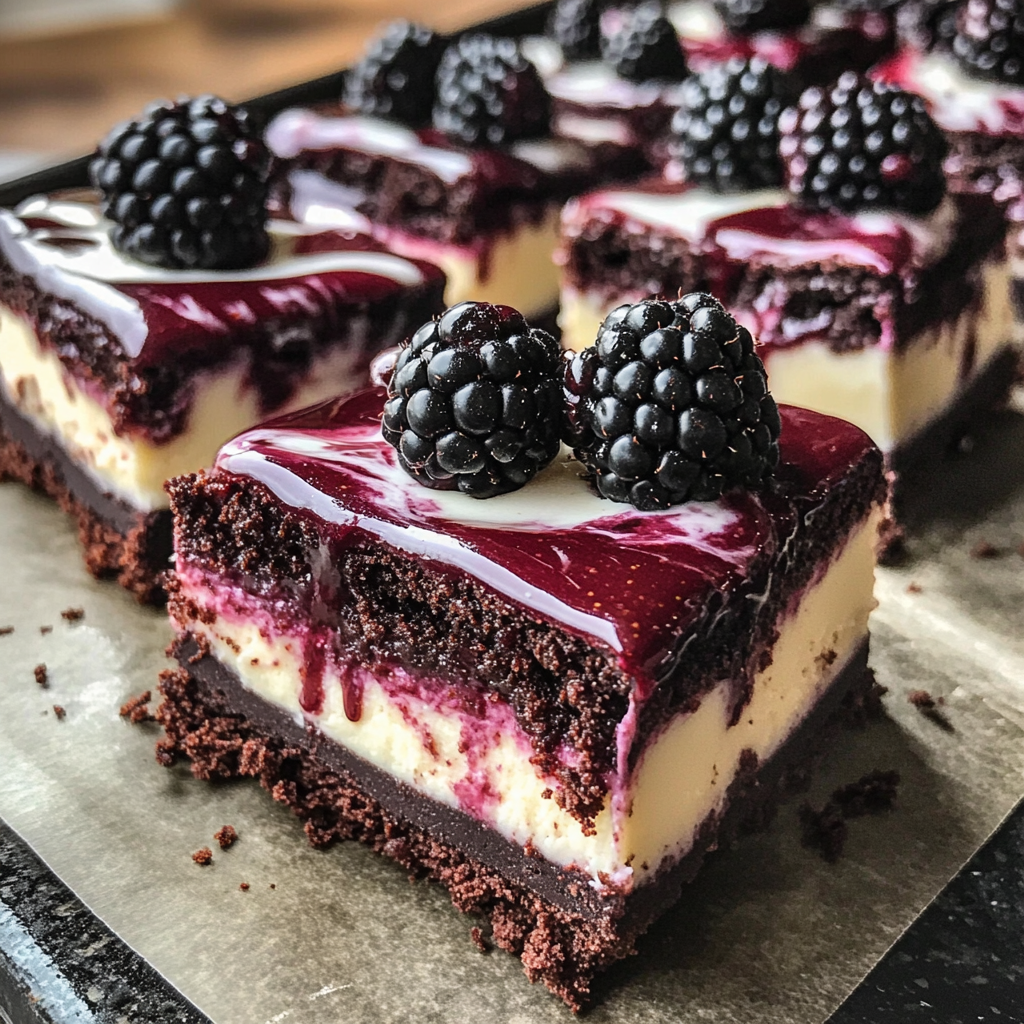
514 269
133 468
892 394
420 731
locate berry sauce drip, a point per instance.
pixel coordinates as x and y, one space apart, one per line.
185 186
489 94
576 26
395 77
763 15
863 144
474 402
554 548
645 46
989 40
726 131
671 405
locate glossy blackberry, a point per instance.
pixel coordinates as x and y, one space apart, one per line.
989 39
475 401
185 186
927 24
645 46
671 404
395 78
760 15
861 144
576 26
726 131
488 93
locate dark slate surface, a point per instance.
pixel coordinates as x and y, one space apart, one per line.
60 964
963 959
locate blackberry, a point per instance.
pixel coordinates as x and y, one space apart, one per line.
646 46
761 15
989 40
863 143
185 186
726 131
576 26
927 24
671 404
489 93
475 401
395 78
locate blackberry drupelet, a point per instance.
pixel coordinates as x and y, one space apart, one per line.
671 404
576 26
488 93
927 24
726 132
860 144
989 39
395 78
646 47
185 186
761 15
475 401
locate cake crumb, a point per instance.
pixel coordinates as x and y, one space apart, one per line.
272 886
1020 551
244 886
226 836
73 614
927 705
477 935
40 673
824 830
6 630
871 793
45 629
135 709
914 588
203 856
983 549
59 712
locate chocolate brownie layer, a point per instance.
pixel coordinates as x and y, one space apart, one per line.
552 919
119 541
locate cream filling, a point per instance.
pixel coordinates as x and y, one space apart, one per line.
890 394
515 269
132 468
652 815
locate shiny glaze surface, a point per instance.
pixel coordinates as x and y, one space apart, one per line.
630 582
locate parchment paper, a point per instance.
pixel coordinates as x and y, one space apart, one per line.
768 932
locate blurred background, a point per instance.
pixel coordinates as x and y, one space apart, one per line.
70 69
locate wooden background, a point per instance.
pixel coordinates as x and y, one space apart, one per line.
60 94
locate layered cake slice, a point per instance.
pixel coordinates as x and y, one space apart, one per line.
438 169
555 699
133 344
874 295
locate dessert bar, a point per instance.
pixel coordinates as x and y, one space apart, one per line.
451 646
117 373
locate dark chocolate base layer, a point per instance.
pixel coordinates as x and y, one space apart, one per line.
561 928
919 456
118 541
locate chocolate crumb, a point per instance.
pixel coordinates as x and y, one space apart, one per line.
871 793
203 856
477 935
914 588
73 614
226 836
244 886
45 629
135 709
59 712
824 830
926 704
272 886
40 674
6 630
983 549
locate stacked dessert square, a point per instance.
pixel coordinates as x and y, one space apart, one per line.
545 624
